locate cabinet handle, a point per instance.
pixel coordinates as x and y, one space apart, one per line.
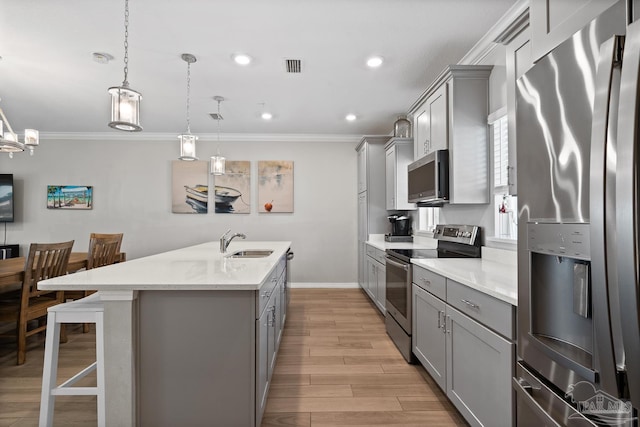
426 146
426 282
266 294
274 279
470 304
271 320
450 324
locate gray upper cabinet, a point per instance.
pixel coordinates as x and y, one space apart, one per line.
430 123
452 114
398 153
362 168
372 212
554 21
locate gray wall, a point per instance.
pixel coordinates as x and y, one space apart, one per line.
132 194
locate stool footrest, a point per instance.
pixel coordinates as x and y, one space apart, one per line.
75 391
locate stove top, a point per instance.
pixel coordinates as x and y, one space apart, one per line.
408 254
454 241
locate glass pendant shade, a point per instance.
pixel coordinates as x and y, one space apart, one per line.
125 109
217 165
31 139
188 147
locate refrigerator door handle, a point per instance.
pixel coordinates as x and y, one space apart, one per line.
603 145
627 209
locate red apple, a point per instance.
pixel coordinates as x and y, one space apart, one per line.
268 206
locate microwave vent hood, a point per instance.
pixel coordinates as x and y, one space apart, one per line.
435 203
428 180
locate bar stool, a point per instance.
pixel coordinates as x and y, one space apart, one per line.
86 310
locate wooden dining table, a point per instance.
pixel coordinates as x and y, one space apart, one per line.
12 269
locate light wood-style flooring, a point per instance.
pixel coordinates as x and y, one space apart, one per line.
336 367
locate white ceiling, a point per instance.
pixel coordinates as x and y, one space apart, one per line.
49 81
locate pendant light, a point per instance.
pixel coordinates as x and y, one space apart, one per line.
125 102
188 141
217 161
9 141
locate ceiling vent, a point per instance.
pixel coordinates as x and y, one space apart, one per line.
216 116
293 65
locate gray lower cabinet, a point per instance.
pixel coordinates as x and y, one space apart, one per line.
269 328
471 362
479 371
375 277
428 340
262 362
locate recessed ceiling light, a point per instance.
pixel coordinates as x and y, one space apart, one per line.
350 117
374 61
101 57
267 116
241 58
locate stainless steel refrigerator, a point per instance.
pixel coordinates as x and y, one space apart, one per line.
578 254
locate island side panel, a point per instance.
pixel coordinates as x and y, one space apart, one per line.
197 358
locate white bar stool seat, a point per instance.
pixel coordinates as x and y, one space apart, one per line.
89 309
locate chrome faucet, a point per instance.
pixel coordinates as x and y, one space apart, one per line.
224 241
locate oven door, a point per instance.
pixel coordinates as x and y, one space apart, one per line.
398 291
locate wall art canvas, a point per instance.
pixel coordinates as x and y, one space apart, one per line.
233 189
275 186
69 197
189 187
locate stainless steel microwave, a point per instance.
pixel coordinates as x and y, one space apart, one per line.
429 179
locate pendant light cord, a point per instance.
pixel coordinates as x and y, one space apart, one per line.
218 149
188 96
126 43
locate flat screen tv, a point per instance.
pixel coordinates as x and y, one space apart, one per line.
6 197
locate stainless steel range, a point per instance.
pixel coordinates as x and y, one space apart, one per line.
454 241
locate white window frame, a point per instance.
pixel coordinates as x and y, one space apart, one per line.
505 223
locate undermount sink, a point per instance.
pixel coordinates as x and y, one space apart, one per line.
251 253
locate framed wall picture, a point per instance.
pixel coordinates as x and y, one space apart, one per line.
275 186
233 189
69 197
189 187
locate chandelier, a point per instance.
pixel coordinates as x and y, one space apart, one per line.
9 142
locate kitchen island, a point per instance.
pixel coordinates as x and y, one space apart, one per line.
190 335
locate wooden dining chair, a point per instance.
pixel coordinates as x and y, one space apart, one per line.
45 261
104 249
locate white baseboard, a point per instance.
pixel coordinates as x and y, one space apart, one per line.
324 285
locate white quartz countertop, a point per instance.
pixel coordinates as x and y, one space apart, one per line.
199 267
377 241
500 280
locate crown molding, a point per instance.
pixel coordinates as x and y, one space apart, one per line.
173 137
513 20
